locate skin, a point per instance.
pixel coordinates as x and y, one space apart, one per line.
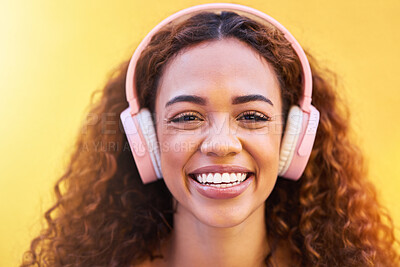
218 232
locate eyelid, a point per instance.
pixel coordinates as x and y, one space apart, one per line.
255 113
201 118
185 113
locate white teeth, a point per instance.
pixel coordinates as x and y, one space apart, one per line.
233 177
209 178
224 185
204 178
228 179
217 178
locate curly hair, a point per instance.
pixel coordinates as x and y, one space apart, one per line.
105 216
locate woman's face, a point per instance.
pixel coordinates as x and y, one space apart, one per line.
218 117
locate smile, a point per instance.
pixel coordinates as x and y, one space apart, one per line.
220 180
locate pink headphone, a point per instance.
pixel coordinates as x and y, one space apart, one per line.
301 125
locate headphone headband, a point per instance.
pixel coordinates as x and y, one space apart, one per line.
131 94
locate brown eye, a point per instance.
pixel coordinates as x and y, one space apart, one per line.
253 116
186 117
186 121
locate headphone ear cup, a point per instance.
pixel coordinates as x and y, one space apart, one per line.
297 142
147 126
142 139
290 138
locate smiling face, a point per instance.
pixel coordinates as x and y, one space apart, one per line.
218 110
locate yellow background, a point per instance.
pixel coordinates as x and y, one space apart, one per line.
53 54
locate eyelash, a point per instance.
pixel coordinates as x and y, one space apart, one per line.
257 115
179 118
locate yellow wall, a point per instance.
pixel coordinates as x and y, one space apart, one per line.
53 54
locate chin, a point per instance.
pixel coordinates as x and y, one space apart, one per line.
226 217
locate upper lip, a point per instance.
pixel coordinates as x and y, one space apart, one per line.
220 169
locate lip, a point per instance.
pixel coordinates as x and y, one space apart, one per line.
220 169
222 193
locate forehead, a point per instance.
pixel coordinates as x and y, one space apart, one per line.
225 67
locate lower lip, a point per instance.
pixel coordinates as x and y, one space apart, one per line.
221 193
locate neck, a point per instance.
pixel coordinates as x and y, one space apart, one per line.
195 244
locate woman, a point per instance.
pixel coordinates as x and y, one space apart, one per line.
219 87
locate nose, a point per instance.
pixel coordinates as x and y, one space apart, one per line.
221 141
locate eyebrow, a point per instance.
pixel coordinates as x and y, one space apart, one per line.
202 101
187 98
249 98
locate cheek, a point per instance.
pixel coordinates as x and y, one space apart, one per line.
176 146
176 150
264 149
263 145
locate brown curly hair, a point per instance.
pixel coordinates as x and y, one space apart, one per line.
105 216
